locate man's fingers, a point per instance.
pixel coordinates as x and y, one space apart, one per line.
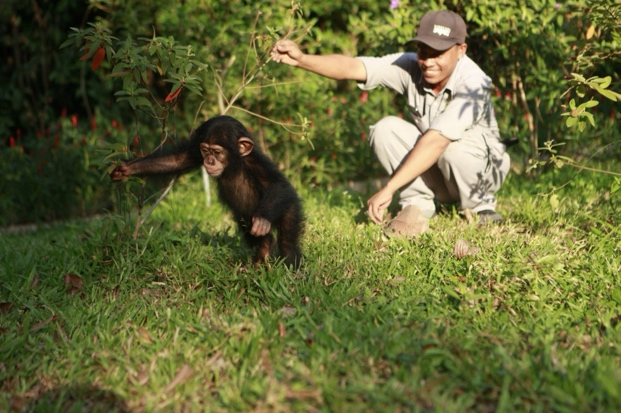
378 216
279 50
375 213
287 52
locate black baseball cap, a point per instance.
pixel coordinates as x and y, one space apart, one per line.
441 29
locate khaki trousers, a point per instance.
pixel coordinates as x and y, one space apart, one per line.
465 173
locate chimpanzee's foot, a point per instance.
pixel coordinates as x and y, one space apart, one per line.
266 246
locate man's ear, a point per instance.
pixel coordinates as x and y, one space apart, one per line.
462 50
245 145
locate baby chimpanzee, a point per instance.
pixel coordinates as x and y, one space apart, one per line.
248 182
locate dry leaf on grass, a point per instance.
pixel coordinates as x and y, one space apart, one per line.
145 336
72 280
396 280
34 283
140 377
463 249
42 324
151 293
75 284
5 307
184 373
288 311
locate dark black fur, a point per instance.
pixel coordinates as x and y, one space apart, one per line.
250 186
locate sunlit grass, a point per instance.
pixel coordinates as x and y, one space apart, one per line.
178 320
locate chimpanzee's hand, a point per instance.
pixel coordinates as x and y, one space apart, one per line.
287 52
260 226
120 172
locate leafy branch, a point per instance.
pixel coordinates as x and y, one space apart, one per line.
138 62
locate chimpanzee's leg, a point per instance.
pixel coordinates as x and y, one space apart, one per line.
263 246
290 230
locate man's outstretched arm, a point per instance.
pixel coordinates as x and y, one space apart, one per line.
333 66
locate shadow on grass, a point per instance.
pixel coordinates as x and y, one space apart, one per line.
81 398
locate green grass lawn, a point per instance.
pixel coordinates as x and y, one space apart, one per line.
178 320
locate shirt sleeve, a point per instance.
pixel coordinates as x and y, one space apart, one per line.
393 71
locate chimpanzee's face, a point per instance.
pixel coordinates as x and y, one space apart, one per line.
215 159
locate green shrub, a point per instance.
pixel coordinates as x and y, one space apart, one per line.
542 56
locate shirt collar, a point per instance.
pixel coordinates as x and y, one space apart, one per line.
450 85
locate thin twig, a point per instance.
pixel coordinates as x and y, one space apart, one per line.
575 164
155 204
283 125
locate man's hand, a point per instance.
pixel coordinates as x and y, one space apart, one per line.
287 52
260 226
425 153
378 203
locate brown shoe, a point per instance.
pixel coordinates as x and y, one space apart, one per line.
408 223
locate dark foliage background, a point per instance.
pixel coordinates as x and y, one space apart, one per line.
61 117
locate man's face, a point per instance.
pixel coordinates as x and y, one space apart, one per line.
438 65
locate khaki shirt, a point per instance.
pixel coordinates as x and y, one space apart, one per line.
461 111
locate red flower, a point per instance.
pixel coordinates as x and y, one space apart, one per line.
172 95
98 58
85 56
11 142
74 120
364 97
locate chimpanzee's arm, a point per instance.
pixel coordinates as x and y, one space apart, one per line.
182 160
163 164
277 194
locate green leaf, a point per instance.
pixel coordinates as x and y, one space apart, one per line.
589 116
554 202
615 187
142 101
581 91
608 94
581 126
604 82
589 104
578 77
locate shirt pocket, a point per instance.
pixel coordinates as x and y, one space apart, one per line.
417 118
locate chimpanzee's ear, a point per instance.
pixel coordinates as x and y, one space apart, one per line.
245 145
